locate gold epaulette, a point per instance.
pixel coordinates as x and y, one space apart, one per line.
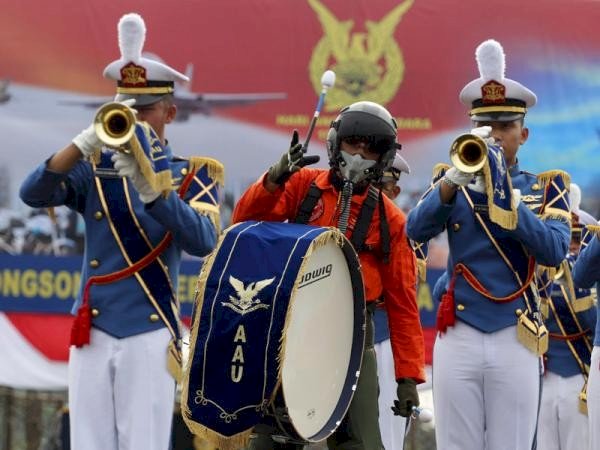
545 177
594 230
205 200
215 168
438 171
556 203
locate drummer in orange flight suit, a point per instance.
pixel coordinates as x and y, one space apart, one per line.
360 143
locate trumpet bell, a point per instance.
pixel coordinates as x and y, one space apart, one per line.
114 124
468 153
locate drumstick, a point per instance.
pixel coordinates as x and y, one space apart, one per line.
421 414
327 82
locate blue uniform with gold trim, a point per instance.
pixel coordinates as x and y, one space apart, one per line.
559 358
122 308
586 274
547 241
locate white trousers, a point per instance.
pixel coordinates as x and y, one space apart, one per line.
593 400
121 395
391 426
560 425
485 390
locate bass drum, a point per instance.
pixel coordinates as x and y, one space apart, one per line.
277 335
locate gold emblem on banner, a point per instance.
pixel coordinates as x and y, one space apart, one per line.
246 302
367 65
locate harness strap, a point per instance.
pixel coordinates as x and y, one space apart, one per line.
384 231
362 224
365 216
308 204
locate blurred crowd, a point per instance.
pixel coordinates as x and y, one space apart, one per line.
41 232
60 232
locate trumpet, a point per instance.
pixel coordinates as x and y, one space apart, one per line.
468 153
114 124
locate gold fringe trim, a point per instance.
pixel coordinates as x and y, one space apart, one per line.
331 235
438 170
234 442
546 177
217 440
216 170
158 181
594 230
96 156
422 270
507 219
556 214
214 216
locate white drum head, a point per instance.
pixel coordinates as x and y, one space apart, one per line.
319 342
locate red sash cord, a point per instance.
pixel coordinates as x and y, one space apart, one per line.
569 337
80 332
446 316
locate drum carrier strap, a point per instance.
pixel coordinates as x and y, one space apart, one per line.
363 222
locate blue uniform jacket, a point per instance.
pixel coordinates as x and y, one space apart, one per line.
559 358
586 272
547 241
122 308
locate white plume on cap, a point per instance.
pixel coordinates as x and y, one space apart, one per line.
491 60
132 34
575 197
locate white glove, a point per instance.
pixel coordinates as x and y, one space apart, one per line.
457 177
127 166
484 133
478 184
87 141
516 197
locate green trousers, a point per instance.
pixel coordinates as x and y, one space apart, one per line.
360 428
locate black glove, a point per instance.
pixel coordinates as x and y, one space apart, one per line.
407 397
291 161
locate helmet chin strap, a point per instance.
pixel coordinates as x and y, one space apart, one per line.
354 168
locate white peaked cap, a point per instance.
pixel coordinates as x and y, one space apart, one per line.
138 76
492 96
398 166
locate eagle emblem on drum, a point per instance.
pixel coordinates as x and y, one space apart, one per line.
245 302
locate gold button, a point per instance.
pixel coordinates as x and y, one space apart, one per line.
535 187
154 317
95 312
456 226
98 215
518 312
94 263
184 171
460 307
